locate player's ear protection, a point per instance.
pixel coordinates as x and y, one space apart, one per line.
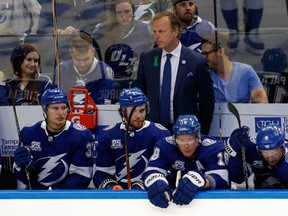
122 111
44 114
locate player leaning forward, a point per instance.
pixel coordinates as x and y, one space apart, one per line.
56 151
199 160
111 166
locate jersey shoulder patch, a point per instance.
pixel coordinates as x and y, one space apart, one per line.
253 139
208 142
109 73
109 127
79 127
170 140
161 127
155 154
30 125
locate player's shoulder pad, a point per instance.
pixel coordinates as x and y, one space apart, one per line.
79 127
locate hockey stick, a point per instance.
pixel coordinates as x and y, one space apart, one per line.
126 148
20 140
87 37
235 112
216 48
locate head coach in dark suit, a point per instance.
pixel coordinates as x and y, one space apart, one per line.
191 88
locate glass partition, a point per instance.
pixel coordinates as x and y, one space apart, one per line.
52 24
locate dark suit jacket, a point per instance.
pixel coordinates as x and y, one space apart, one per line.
193 85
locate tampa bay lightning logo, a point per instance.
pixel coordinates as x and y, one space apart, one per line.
79 127
208 142
144 11
53 169
138 163
2 17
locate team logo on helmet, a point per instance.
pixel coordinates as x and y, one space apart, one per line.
187 124
274 60
270 137
122 59
132 97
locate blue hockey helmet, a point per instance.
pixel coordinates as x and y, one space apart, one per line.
54 96
270 137
132 97
274 60
122 59
187 124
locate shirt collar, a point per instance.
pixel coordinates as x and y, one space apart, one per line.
176 52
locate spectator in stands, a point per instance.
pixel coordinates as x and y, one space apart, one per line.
193 28
28 85
71 15
19 17
232 81
275 75
121 35
85 70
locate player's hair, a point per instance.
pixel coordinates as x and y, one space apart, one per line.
116 2
174 20
17 57
222 41
19 54
80 45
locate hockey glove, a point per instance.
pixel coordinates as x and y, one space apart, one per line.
23 157
238 139
188 187
110 184
159 193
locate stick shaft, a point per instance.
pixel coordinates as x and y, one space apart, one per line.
235 112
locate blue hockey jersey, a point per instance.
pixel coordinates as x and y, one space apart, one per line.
111 163
99 80
266 177
192 36
167 159
29 95
63 161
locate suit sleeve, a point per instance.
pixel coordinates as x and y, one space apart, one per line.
141 81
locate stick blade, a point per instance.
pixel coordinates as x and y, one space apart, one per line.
234 111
